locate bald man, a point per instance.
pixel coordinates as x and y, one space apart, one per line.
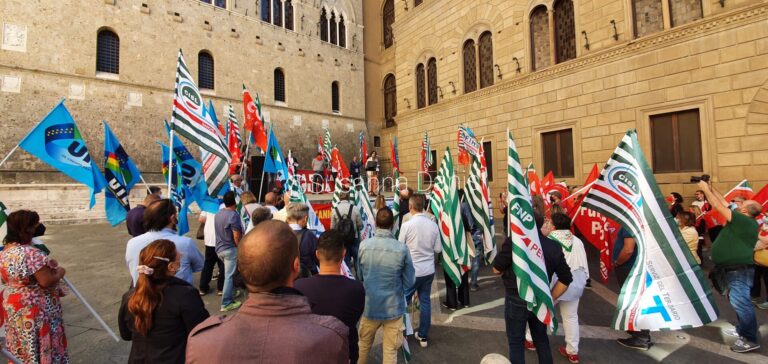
733 251
276 317
270 200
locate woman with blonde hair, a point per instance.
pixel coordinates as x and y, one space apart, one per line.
380 203
160 312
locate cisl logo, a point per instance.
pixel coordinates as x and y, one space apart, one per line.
190 95
625 182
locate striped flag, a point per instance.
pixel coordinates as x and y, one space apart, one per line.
293 187
527 260
484 181
426 155
665 289
455 256
327 146
477 199
234 140
188 118
467 145
215 169
360 197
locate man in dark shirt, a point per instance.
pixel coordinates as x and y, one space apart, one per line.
333 294
354 168
516 312
134 221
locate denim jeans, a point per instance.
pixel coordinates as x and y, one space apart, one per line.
352 255
211 260
423 286
516 316
229 257
476 262
739 285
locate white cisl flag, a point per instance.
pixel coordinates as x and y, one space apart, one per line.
665 289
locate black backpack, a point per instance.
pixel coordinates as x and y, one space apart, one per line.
346 226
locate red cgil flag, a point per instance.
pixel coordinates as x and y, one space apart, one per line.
253 122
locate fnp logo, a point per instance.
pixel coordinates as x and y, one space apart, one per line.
625 182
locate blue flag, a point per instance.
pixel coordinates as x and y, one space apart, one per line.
179 190
192 173
212 112
56 140
121 174
274 161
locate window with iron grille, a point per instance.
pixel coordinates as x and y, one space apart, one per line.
107 52
470 66
540 38
279 85
277 13
218 3
485 45
432 78
335 96
266 11
288 14
389 19
390 100
488 154
334 39
342 32
557 149
565 31
421 97
205 70
323 26
676 142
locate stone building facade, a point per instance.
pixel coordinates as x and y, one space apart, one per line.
572 76
50 51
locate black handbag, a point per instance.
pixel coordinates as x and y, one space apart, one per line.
370 166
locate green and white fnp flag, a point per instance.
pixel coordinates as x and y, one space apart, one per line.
4 212
527 254
477 200
665 289
445 202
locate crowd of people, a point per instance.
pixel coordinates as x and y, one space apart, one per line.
291 286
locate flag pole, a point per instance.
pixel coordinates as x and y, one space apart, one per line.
90 309
145 184
261 181
170 158
9 154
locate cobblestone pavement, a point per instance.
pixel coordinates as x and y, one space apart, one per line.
94 257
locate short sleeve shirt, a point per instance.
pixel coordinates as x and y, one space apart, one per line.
226 222
736 242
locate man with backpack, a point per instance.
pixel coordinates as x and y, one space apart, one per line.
345 218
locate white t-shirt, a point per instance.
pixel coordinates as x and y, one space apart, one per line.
209 230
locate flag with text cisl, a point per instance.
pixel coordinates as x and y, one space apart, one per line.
179 190
665 289
189 115
274 161
445 197
527 259
56 140
121 174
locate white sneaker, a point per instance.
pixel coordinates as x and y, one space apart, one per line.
422 341
731 332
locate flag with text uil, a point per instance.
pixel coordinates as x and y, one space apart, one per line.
56 140
121 173
527 259
665 289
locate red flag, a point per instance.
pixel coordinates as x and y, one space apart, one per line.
534 184
393 156
253 122
573 202
762 197
338 162
599 231
463 154
233 144
548 180
742 189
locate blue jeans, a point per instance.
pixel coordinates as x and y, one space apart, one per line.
352 255
423 285
476 262
229 257
739 284
516 316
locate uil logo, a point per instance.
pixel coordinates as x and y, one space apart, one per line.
64 143
624 181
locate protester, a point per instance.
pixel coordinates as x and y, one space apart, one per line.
701 229
259 215
280 200
676 203
422 237
576 257
405 194
333 294
700 200
160 219
346 218
282 214
134 220
504 211
270 200
686 223
380 203
458 297
237 184
354 169
249 204
476 237
516 313
229 231
624 258
275 324
298 215
160 312
387 271
34 323
318 169
211 258
733 253
157 191
372 170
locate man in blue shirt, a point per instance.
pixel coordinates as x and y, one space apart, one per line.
160 219
229 230
387 271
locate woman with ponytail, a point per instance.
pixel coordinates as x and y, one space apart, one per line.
158 314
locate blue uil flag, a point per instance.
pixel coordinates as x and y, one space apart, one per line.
56 140
121 173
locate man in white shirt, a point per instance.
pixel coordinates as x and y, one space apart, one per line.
422 237
211 259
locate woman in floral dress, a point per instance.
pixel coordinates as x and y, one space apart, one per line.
30 299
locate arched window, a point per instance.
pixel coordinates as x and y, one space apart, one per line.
107 52
342 32
421 99
333 25
288 15
540 38
279 85
266 12
432 80
470 66
485 58
205 70
335 96
565 31
323 26
277 13
390 100
389 19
